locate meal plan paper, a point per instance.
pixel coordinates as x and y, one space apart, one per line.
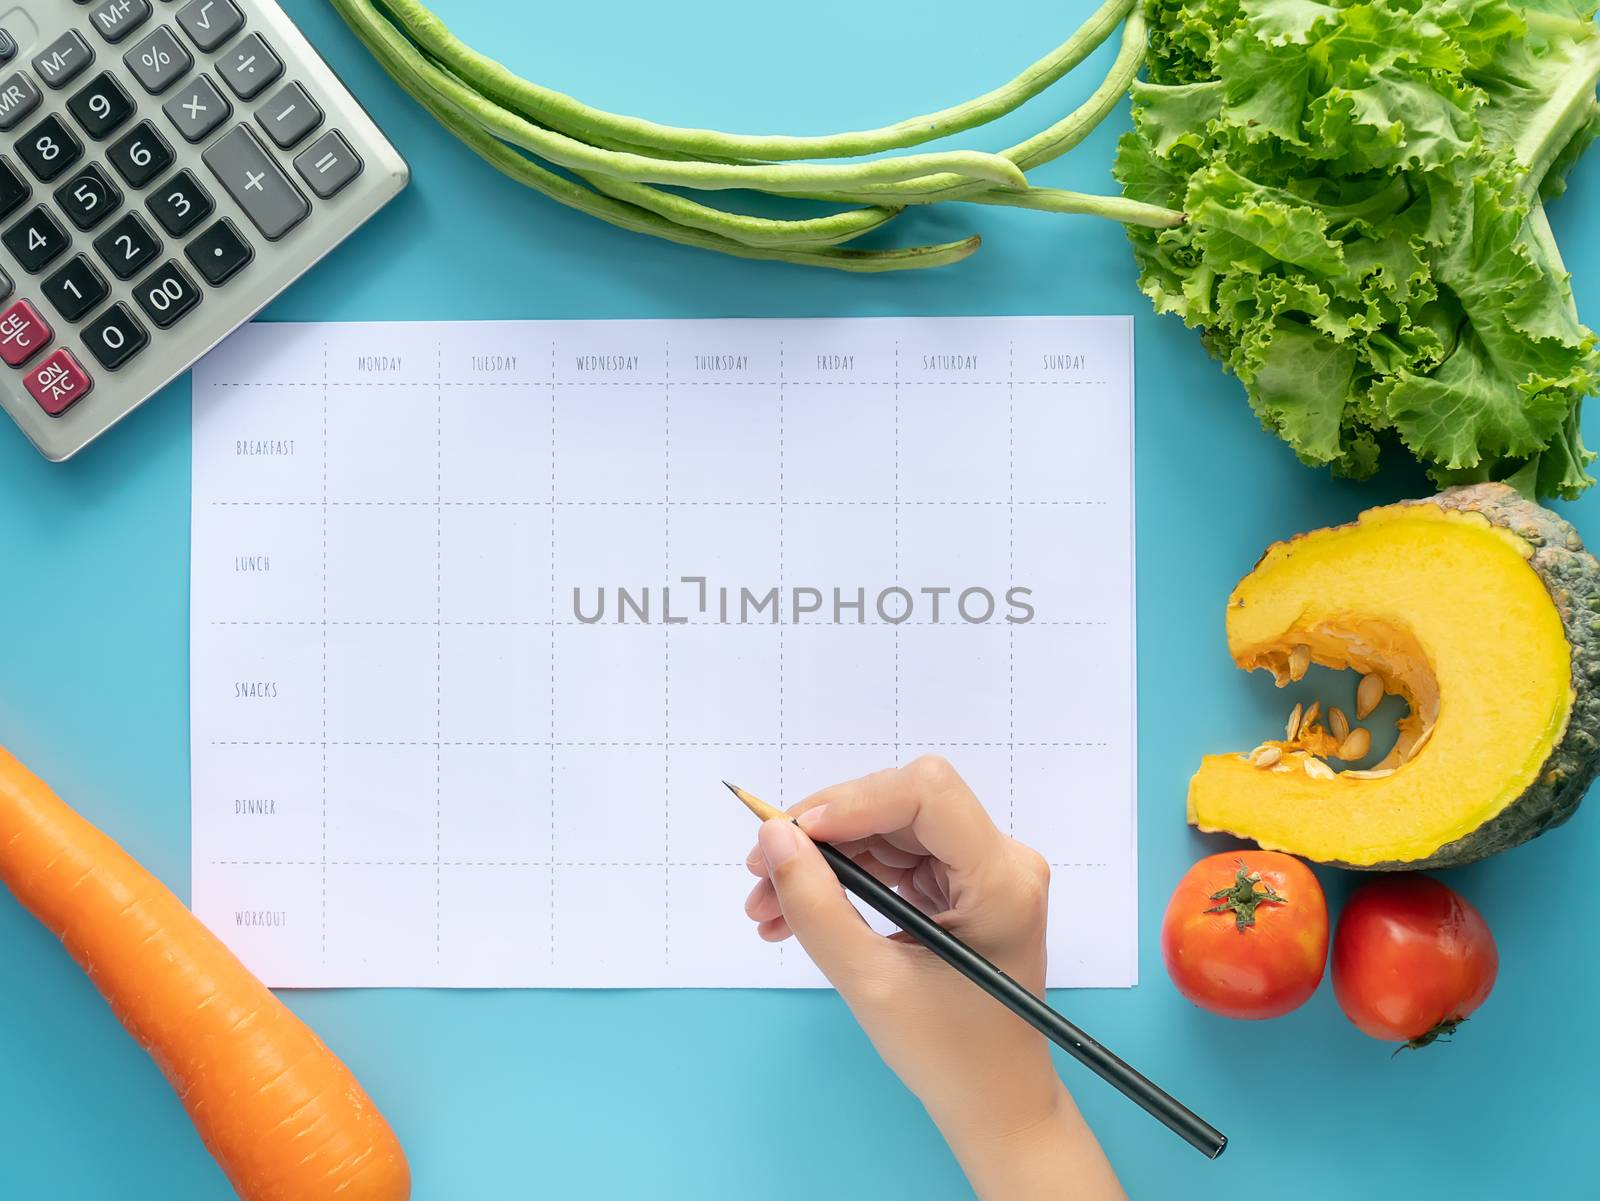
483 614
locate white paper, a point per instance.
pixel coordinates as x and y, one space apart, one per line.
416 763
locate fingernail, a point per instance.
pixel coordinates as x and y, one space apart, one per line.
778 842
811 817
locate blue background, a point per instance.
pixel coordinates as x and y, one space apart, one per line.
763 1094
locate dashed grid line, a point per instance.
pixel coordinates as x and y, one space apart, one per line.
523 863
651 742
656 383
864 503
896 632
438 656
324 653
666 659
1011 575
551 798
732 625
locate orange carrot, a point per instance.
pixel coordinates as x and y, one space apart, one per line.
282 1115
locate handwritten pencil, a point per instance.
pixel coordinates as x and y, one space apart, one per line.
1178 1118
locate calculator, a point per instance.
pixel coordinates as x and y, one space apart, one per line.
166 168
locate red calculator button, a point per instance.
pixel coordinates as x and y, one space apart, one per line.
58 383
23 333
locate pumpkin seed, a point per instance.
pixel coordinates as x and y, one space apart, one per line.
1368 693
1338 723
1299 661
1266 756
1317 769
1376 773
1357 744
1310 719
1293 728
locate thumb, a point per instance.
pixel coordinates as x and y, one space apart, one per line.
814 903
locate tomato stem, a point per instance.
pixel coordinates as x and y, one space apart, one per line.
1241 898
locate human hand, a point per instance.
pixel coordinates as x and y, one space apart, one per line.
984 1075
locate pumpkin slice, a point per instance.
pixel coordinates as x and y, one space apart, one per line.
1480 609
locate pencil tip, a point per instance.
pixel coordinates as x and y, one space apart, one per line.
733 788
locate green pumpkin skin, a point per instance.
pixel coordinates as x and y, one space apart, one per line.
1571 576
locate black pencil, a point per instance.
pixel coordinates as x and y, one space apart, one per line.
1177 1117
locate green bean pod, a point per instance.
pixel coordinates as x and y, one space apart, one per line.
402 62
766 177
557 110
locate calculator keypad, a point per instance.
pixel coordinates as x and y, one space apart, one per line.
197 108
75 288
127 246
49 148
180 203
116 19
14 189
209 23
88 198
59 63
111 182
158 61
140 155
101 106
36 241
115 336
256 182
220 253
166 294
19 96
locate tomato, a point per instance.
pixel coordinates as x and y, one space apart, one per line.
1246 934
1411 959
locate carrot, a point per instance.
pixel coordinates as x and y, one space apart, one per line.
285 1119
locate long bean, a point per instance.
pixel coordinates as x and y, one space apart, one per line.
1035 151
380 38
829 230
767 177
560 111
1058 200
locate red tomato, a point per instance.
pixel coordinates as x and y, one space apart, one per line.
1411 959
1246 934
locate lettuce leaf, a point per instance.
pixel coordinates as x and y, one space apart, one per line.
1367 249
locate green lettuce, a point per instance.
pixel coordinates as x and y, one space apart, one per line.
1367 248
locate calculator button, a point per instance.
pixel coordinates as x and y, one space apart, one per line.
19 96
8 46
58 63
127 246
14 189
256 182
209 23
88 198
197 109
158 61
76 288
180 204
328 164
36 240
49 148
58 383
249 67
140 155
100 105
6 285
23 333
289 115
219 253
115 336
166 294
116 19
